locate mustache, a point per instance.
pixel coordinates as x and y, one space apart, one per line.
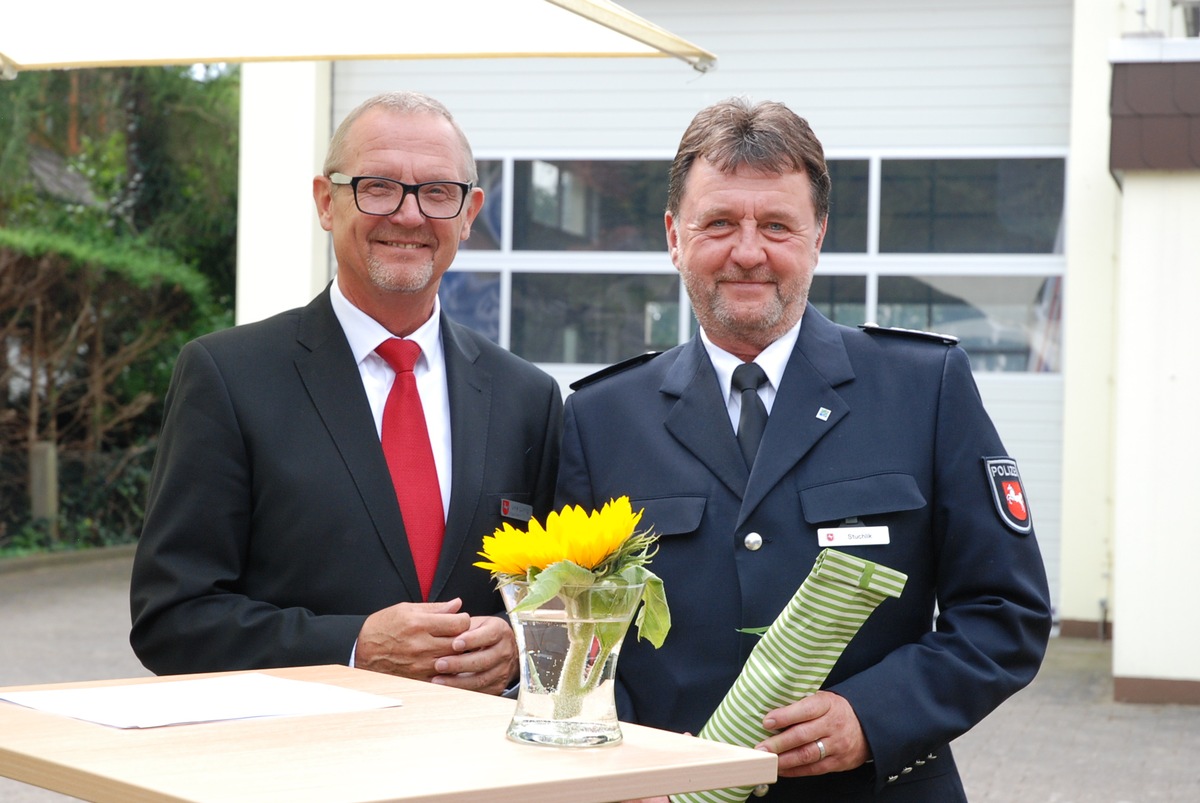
762 275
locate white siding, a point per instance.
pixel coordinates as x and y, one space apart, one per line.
866 73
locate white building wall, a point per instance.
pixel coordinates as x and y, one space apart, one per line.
284 131
1089 337
1155 475
865 73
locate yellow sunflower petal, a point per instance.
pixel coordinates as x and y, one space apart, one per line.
571 534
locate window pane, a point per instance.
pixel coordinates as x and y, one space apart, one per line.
569 205
971 206
473 299
1005 323
841 299
485 231
593 318
847 230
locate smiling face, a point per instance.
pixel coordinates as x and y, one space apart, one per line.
390 267
746 244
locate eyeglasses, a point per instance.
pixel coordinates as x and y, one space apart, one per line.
375 195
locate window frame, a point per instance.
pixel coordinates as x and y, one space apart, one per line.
870 263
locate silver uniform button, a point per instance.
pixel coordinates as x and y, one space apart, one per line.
753 542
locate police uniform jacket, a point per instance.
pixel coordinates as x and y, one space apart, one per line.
868 428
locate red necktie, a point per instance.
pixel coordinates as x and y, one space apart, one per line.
410 459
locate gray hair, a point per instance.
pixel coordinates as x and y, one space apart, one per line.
402 103
767 136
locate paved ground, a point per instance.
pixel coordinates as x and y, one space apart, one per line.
1062 740
62 621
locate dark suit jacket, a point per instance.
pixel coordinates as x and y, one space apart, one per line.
272 529
902 446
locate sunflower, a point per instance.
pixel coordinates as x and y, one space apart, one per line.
592 541
577 550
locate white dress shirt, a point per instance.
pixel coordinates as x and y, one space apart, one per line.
365 334
773 360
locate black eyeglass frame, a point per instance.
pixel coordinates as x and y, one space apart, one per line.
342 180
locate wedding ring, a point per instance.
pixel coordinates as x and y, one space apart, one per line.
820 746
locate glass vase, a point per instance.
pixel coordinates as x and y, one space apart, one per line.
568 649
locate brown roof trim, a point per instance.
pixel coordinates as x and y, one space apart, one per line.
1155 110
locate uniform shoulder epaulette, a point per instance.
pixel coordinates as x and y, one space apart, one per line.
876 329
615 368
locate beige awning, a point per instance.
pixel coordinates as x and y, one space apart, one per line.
42 35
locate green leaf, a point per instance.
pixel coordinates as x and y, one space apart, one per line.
654 618
550 581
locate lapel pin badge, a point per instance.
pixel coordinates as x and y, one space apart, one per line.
824 413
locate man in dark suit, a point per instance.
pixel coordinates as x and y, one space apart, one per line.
274 533
876 443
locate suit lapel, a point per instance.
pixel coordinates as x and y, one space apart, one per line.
469 386
328 371
806 408
699 419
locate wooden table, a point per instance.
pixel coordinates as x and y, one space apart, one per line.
441 744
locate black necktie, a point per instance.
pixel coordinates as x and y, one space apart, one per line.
747 378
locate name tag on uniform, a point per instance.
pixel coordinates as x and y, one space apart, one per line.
853 536
519 511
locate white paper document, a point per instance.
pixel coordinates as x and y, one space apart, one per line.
178 702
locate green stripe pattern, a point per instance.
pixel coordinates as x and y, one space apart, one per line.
797 652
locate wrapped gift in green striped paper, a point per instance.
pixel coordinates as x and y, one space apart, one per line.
797 652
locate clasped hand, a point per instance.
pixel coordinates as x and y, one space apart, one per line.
436 642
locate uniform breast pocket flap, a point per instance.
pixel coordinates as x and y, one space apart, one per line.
862 496
672 515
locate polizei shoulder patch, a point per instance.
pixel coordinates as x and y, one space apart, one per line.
1008 493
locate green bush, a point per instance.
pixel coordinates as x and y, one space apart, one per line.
118 223
92 331
102 499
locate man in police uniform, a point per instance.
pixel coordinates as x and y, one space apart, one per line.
876 443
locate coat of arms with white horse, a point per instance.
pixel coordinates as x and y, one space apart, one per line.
1008 493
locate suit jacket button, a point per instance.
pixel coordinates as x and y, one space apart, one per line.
761 790
753 542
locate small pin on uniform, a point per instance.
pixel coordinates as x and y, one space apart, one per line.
824 413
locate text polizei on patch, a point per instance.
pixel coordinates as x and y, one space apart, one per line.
1008 492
